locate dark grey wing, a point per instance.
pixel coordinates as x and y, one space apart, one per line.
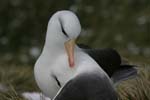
125 72
88 86
110 61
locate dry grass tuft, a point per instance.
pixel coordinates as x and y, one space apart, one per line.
138 88
18 79
15 80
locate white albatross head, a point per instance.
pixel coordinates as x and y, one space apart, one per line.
63 29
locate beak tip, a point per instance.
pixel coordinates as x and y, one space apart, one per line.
71 65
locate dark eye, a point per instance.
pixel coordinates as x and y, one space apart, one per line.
63 29
64 32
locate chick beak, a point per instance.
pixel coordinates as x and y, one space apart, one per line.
69 46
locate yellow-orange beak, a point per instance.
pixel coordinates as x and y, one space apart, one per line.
69 46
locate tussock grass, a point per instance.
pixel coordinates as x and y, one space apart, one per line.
18 79
11 94
137 88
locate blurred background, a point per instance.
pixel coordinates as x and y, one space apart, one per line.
121 24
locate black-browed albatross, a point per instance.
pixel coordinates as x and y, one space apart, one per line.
63 68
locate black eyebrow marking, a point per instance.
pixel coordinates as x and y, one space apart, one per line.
57 81
63 29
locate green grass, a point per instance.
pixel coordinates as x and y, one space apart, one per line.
18 79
